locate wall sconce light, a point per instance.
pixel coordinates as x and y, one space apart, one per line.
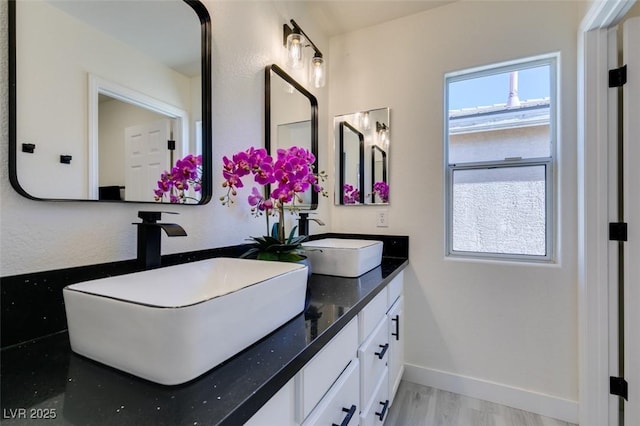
365 121
383 134
296 40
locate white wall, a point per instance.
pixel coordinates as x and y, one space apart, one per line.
39 236
513 325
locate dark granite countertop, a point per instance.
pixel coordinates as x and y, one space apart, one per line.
43 381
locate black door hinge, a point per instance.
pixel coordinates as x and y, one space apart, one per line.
618 231
618 76
618 386
171 145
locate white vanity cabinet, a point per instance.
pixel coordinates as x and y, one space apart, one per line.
373 355
353 379
381 352
395 321
319 375
396 346
278 411
340 405
376 411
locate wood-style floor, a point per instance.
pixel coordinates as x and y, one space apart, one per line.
417 405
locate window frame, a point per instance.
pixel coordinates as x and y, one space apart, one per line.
550 163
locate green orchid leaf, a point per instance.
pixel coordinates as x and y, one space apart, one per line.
290 257
265 255
291 234
282 247
249 253
298 240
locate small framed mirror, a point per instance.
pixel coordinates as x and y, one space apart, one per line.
362 142
351 173
105 96
291 119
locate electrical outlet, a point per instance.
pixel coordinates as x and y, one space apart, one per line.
382 219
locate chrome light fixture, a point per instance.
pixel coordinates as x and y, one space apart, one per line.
295 39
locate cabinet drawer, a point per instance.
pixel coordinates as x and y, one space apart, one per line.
341 405
373 355
318 375
371 315
395 288
376 411
278 411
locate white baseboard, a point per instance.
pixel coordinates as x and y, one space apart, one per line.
534 402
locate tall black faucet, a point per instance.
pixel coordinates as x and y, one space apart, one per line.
149 237
303 223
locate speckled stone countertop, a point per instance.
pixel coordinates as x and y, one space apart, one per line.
44 382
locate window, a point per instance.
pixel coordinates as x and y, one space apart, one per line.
500 133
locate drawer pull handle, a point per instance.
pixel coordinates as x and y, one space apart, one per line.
397 321
383 351
350 412
382 412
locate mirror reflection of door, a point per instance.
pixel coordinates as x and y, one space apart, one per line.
145 158
127 134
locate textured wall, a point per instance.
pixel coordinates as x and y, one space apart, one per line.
37 236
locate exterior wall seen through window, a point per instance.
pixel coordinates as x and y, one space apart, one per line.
499 173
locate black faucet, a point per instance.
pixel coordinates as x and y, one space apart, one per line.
149 237
303 223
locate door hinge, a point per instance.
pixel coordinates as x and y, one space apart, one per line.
617 231
171 145
618 76
618 386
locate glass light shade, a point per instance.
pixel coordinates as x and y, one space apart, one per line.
366 123
295 51
317 72
384 139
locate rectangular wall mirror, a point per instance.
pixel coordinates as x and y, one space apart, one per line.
105 96
362 157
291 119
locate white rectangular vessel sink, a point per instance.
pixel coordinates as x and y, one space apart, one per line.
343 257
170 325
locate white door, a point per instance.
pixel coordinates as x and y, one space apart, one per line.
146 158
631 179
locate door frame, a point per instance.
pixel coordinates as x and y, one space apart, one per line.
97 86
594 310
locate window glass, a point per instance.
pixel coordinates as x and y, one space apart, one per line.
500 139
501 210
498 116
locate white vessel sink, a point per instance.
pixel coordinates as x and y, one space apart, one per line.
343 257
170 325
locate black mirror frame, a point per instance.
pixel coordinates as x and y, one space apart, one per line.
205 23
314 117
342 125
